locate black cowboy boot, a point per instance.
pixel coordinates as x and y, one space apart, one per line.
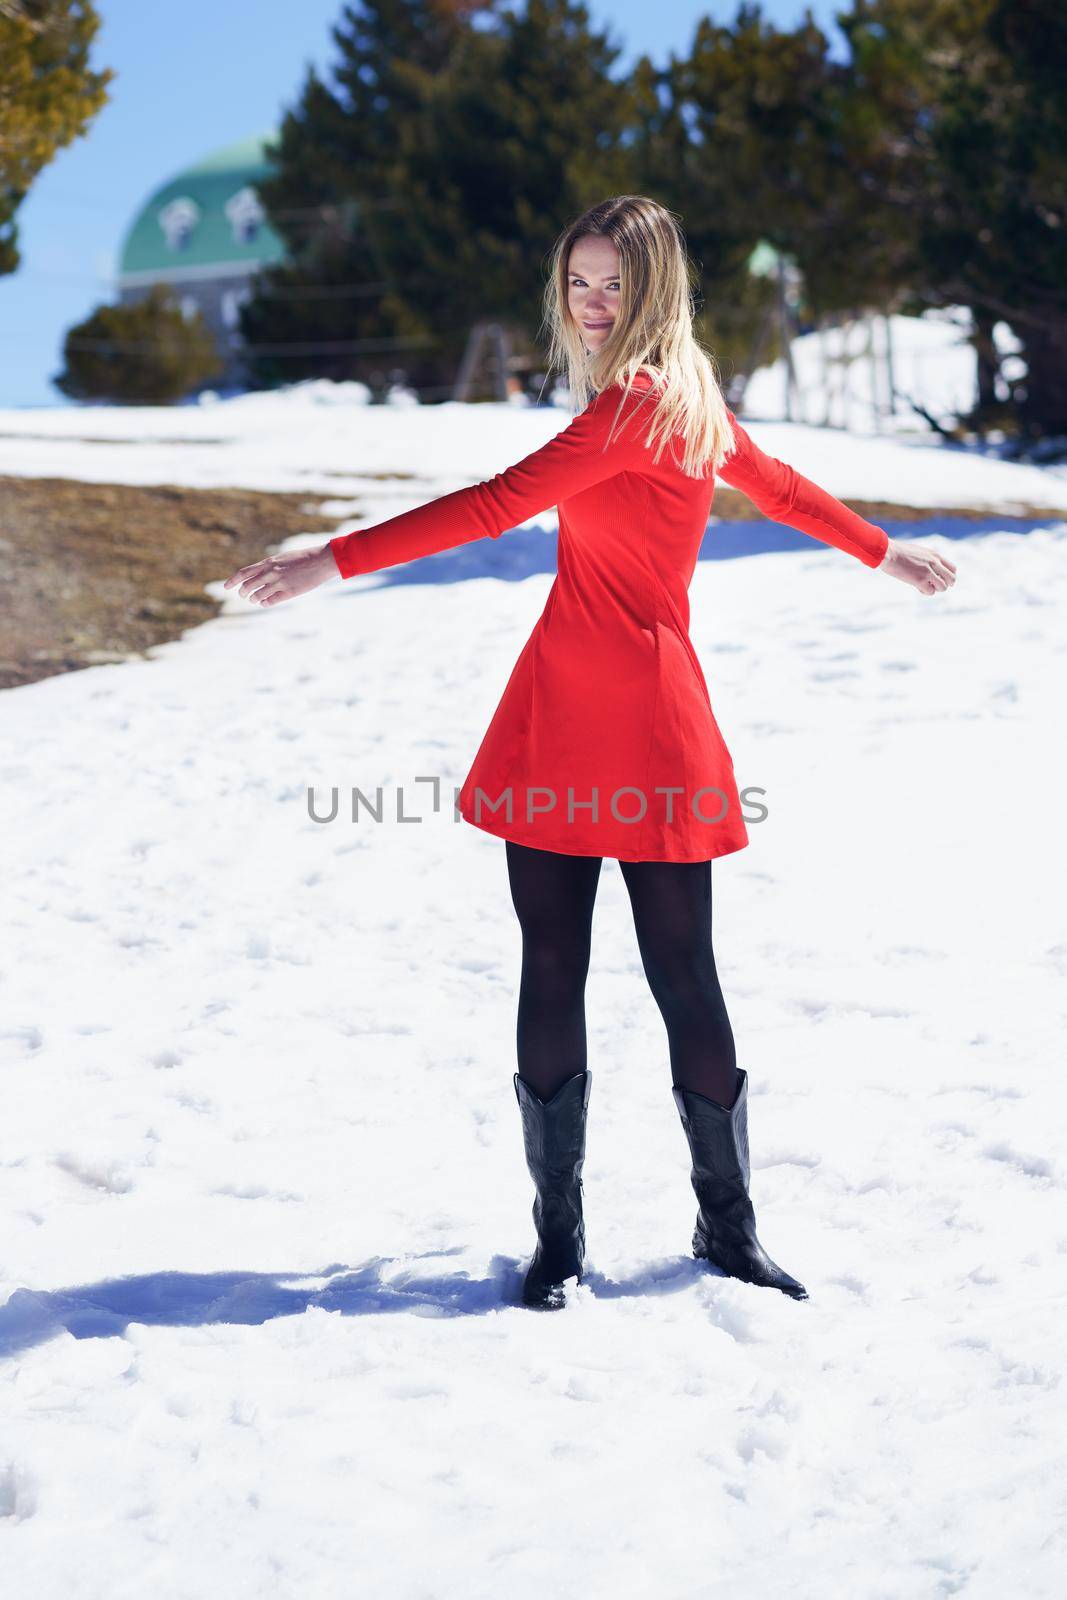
554 1136
726 1224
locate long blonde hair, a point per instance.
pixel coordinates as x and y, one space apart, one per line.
653 330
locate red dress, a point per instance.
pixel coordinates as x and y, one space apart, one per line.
604 742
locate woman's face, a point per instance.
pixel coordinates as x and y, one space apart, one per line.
593 286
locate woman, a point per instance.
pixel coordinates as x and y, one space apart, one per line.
604 742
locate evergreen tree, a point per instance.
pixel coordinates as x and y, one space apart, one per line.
929 169
465 138
968 161
722 136
146 352
48 96
525 133
339 187
777 143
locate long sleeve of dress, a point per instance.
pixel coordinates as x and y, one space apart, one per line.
575 459
784 495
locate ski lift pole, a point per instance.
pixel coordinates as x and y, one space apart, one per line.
783 334
785 323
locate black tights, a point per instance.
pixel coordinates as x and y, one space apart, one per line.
553 897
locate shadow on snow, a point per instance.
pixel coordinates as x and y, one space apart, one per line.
524 552
195 1299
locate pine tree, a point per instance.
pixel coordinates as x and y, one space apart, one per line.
340 187
525 133
465 137
727 136
929 169
48 96
967 166
753 135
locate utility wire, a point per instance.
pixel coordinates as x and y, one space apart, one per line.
325 209
323 291
292 347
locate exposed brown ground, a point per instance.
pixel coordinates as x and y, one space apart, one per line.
90 572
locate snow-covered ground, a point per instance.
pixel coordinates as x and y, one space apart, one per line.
266 1211
864 374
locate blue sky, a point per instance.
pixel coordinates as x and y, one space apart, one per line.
190 79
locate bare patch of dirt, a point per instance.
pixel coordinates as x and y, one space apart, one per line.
732 506
92 572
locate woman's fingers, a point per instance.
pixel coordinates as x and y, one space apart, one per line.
283 576
260 588
254 578
926 570
263 577
920 566
253 588
243 573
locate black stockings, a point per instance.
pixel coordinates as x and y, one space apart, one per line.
553 897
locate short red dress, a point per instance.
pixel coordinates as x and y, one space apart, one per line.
604 742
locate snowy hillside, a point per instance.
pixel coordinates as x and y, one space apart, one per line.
266 1211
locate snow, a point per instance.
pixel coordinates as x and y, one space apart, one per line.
266 1209
843 373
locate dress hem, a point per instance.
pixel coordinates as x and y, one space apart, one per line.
606 855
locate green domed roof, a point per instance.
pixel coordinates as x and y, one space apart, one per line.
206 217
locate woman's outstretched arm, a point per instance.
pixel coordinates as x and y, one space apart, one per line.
575 459
784 495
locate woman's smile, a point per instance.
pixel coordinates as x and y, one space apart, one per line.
594 287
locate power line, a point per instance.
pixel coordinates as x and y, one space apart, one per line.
336 291
237 347
292 347
21 274
320 291
327 210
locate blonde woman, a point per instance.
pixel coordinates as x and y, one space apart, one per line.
604 743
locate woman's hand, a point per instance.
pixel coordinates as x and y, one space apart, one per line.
918 565
283 577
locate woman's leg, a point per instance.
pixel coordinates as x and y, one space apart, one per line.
553 896
671 903
672 914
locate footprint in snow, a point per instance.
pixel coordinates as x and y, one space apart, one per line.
1032 1166
108 1178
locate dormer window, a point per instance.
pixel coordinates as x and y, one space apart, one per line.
178 219
230 306
245 214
